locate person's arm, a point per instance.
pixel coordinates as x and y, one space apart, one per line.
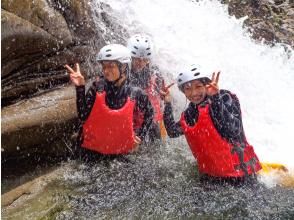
145 106
226 110
85 102
159 82
173 128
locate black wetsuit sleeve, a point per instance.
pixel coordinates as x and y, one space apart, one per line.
159 82
85 102
226 112
173 128
145 106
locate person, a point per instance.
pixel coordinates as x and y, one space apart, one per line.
212 125
107 110
148 78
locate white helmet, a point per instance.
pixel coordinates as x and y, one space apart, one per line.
140 46
191 72
115 52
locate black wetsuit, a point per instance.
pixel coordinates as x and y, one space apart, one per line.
143 79
116 97
224 111
226 116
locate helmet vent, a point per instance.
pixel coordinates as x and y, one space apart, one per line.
148 54
148 48
108 55
133 52
196 74
193 69
179 80
181 74
136 47
108 50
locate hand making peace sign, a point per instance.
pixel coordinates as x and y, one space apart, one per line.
165 94
75 75
212 87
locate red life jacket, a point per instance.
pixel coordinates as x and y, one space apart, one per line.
155 102
216 156
109 131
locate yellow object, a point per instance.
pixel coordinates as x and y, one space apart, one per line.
278 171
268 167
163 132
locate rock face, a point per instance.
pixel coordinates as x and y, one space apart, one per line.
268 20
41 124
38 38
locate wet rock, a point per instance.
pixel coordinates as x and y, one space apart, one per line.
23 41
29 192
36 31
39 124
270 21
42 15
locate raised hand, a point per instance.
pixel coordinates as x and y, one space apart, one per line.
212 87
165 94
75 75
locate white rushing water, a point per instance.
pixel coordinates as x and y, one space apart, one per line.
186 32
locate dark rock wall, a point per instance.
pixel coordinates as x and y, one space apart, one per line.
268 20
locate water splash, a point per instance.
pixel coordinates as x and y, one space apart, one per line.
161 181
203 33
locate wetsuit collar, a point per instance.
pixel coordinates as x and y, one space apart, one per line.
201 104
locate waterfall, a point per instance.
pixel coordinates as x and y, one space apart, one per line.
202 32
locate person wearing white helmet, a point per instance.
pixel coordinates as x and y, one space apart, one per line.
148 78
212 125
107 110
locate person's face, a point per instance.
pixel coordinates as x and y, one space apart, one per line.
195 91
138 64
110 70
